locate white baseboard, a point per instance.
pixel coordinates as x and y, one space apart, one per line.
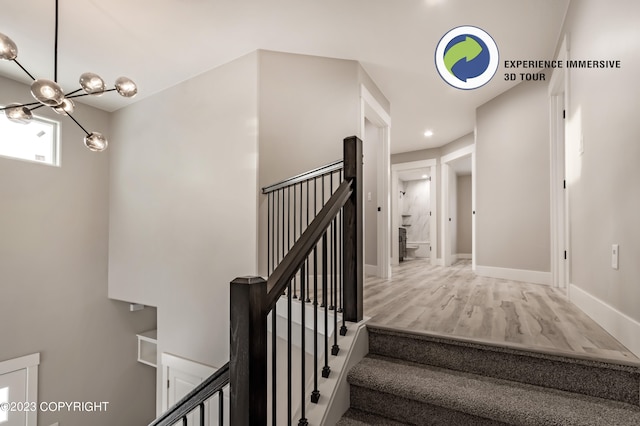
619 325
371 270
536 277
464 256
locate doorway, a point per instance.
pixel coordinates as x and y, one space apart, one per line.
457 235
414 207
558 89
375 127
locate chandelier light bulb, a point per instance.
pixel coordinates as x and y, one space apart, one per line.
126 87
47 92
96 142
8 49
92 83
66 107
18 114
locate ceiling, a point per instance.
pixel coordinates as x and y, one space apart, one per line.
159 43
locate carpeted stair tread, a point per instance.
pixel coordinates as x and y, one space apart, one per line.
355 417
502 401
618 381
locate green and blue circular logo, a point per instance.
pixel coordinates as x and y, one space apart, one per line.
467 57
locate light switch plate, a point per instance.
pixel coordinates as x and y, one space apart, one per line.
615 251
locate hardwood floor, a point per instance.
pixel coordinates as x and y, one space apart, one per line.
454 301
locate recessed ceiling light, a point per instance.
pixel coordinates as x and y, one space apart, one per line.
424 176
428 133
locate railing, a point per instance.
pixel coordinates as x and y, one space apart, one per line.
195 403
315 258
325 259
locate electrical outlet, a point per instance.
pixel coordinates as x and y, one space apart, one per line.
615 249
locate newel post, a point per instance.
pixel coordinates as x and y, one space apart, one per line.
248 357
352 264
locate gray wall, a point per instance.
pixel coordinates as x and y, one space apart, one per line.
465 208
512 178
53 263
604 182
183 205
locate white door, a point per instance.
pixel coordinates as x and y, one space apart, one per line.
181 377
13 390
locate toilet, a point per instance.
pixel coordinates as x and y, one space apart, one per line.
417 249
411 251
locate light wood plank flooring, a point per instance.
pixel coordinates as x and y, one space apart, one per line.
454 301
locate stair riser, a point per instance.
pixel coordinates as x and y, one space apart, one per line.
412 412
593 378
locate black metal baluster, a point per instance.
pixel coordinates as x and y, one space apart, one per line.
269 234
283 231
277 230
184 421
301 221
303 420
315 394
333 252
343 328
289 386
274 336
324 274
325 369
221 407
201 408
295 291
335 348
308 299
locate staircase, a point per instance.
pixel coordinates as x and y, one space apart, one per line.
421 379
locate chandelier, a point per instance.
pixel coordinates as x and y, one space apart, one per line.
48 93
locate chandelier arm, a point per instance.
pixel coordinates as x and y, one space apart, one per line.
23 105
24 69
79 125
55 49
86 94
71 93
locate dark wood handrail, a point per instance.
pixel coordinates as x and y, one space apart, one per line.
285 271
320 171
193 399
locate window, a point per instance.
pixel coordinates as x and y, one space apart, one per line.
19 385
36 141
4 398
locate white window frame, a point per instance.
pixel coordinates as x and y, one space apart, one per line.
55 159
29 363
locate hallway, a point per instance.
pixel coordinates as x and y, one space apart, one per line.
454 301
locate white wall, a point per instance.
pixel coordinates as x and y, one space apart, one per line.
604 182
512 176
183 205
453 212
370 146
53 278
